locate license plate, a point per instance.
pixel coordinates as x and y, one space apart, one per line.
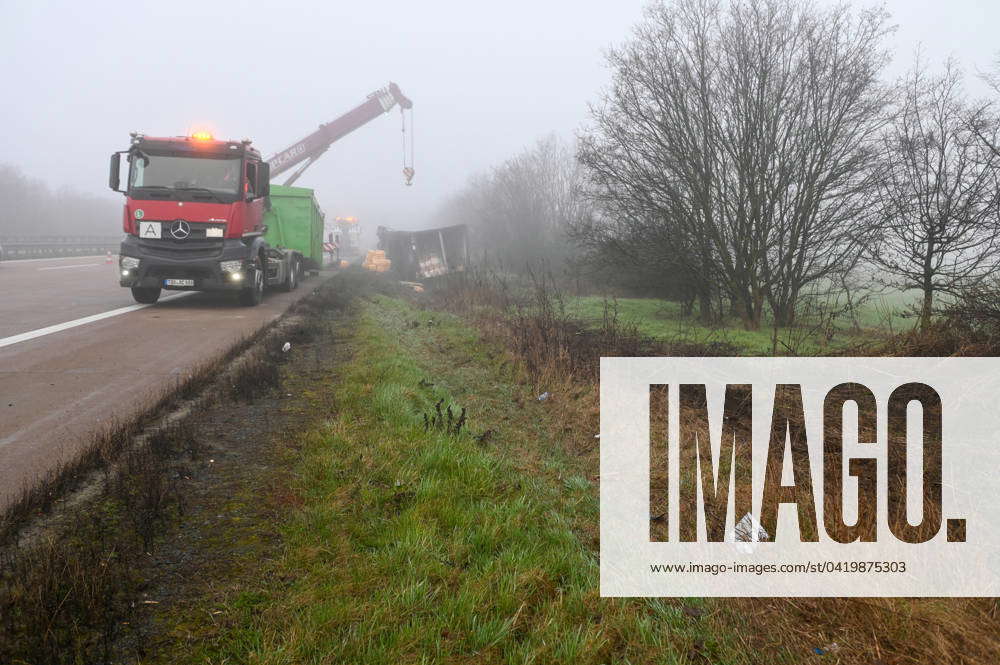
150 229
178 282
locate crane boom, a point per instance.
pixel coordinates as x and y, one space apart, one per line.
304 152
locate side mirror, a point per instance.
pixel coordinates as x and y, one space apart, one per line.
114 175
264 179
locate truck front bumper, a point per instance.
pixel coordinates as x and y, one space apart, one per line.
180 272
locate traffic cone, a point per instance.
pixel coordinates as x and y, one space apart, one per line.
108 260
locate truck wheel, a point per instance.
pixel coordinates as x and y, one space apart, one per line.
146 295
252 295
292 278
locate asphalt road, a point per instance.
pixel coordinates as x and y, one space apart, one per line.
76 353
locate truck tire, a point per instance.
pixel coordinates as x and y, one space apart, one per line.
292 278
253 294
146 295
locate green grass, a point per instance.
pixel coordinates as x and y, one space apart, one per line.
665 320
424 547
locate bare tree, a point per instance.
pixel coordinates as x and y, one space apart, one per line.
992 78
645 258
825 148
746 130
939 190
651 154
519 209
980 120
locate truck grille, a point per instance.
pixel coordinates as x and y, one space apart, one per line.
170 248
163 272
199 231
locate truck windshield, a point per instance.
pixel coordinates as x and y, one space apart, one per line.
220 175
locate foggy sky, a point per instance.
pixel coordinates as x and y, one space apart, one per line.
486 79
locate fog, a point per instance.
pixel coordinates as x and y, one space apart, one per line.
486 80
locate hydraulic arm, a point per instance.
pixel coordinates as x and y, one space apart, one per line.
304 152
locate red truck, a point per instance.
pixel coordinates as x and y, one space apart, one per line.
193 217
195 208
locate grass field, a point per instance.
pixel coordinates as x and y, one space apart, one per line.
664 320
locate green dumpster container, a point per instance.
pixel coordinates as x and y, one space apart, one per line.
295 222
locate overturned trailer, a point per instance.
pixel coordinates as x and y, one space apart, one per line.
427 253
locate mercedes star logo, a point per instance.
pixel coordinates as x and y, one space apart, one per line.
180 229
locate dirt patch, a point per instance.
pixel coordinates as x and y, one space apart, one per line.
234 497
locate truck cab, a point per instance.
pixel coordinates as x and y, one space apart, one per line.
193 216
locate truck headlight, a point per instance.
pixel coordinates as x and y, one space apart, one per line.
129 263
230 266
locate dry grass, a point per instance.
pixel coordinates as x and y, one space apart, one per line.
549 347
531 319
872 631
63 593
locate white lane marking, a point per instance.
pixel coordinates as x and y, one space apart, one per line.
11 262
59 327
78 265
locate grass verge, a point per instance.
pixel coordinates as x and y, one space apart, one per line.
416 544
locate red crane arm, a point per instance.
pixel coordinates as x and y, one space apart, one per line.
306 150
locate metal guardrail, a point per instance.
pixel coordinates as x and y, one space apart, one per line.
33 247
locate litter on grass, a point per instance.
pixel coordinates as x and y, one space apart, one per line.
747 533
